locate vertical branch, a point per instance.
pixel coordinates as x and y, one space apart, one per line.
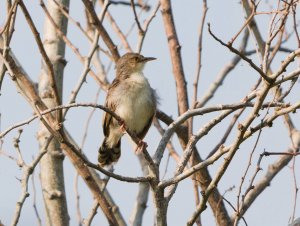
199 62
284 160
194 100
174 48
77 201
52 173
175 54
197 198
296 189
7 30
39 220
140 205
295 24
27 171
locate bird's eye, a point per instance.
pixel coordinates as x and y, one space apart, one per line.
132 62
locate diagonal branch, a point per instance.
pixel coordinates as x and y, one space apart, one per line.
102 31
43 52
27 89
141 31
232 49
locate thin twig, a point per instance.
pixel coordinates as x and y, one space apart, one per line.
294 7
296 189
27 171
223 73
240 205
140 205
171 148
141 31
39 220
142 35
43 53
11 12
244 25
82 79
69 43
106 38
232 49
143 6
115 27
65 12
6 33
199 52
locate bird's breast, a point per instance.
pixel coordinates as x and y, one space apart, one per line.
136 106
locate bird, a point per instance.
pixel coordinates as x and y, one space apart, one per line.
131 97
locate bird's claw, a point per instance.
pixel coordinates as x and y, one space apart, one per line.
122 126
141 146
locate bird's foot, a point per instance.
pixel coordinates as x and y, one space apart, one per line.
122 126
141 146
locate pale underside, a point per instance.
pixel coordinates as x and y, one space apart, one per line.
134 103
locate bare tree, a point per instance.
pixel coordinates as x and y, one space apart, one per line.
50 90
265 47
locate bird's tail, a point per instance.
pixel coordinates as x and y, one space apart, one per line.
108 155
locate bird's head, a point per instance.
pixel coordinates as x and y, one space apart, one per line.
131 63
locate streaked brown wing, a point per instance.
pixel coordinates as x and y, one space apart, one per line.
107 119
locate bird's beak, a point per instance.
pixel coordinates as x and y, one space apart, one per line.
146 59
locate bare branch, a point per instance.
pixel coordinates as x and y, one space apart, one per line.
116 27
141 31
89 219
103 33
199 62
145 29
232 49
27 171
272 171
43 53
69 43
175 55
223 73
140 204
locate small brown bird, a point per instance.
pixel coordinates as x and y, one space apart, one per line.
130 97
